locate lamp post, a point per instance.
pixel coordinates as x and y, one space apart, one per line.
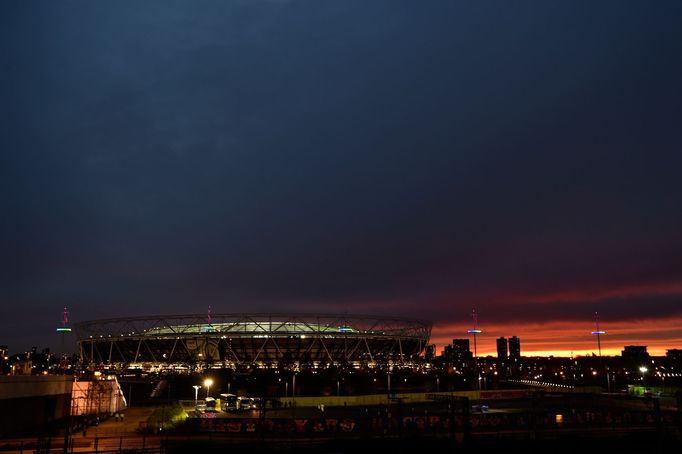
643 370
207 383
337 388
196 394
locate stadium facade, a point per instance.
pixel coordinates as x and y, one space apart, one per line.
261 340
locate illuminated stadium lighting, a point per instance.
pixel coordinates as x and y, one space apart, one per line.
263 340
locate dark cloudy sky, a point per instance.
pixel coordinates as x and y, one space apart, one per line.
386 157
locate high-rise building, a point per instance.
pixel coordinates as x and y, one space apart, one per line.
502 356
515 349
461 346
502 350
458 354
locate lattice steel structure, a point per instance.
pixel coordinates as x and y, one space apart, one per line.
264 340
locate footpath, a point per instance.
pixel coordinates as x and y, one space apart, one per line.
128 424
116 433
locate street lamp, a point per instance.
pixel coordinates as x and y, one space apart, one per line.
337 388
207 383
196 394
643 370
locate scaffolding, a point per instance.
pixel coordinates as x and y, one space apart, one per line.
97 397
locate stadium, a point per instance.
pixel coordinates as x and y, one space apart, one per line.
188 342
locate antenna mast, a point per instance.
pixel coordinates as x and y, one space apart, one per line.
63 330
65 321
475 331
598 333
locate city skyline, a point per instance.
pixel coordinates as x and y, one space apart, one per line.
385 157
563 341
558 339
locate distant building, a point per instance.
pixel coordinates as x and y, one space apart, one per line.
458 354
514 349
502 350
4 357
635 356
513 364
502 356
635 353
22 367
674 356
430 352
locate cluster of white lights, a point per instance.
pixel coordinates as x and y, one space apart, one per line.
546 384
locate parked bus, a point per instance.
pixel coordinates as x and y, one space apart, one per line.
228 402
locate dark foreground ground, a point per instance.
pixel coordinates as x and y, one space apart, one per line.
569 444
590 424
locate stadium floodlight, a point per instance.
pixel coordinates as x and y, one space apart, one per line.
207 383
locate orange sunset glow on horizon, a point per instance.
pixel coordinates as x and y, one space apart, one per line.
568 338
